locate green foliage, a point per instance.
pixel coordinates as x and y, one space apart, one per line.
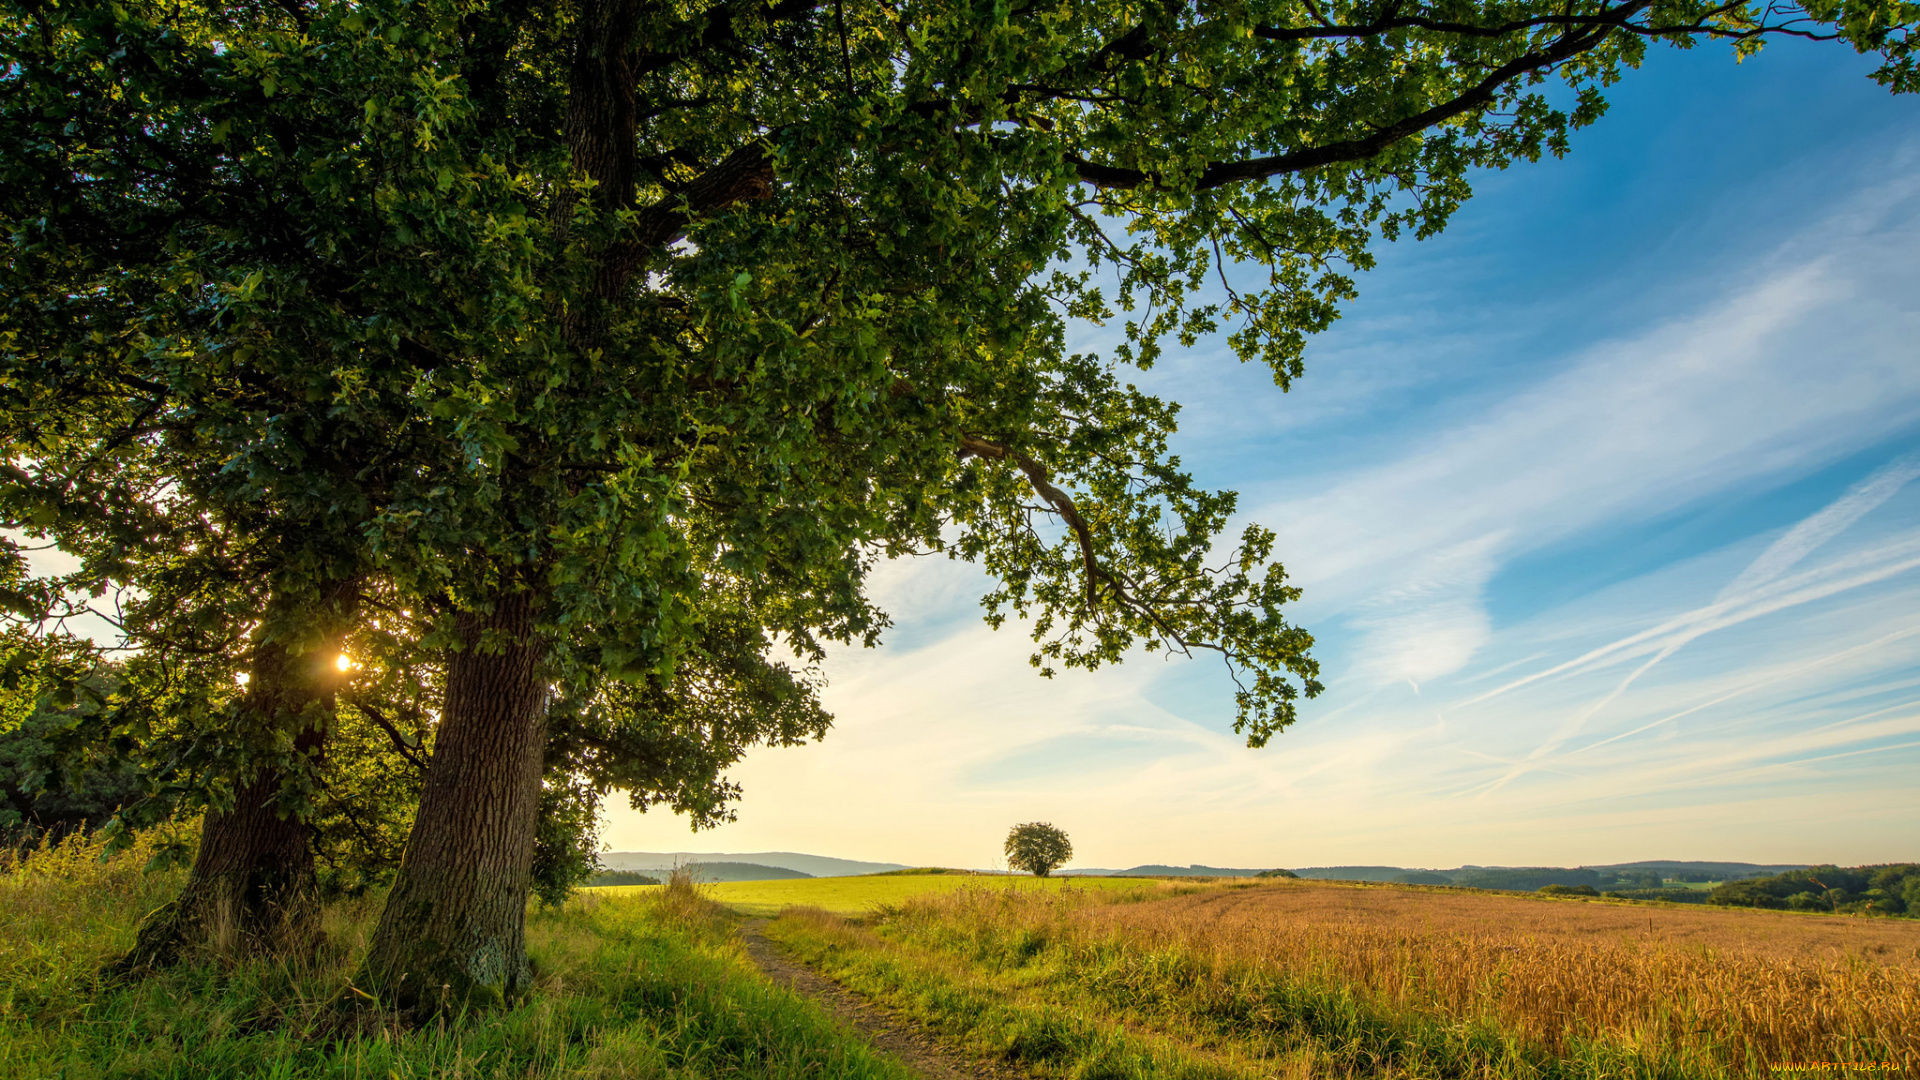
1522 878
1567 890
1671 896
1631 879
1887 889
606 878
45 791
1276 874
364 796
566 843
920 871
667 739
1037 848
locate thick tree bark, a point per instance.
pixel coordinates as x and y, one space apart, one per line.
252 890
453 932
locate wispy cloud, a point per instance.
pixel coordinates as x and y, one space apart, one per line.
1781 375
1813 532
1760 595
1753 693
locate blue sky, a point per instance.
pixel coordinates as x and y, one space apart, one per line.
1607 508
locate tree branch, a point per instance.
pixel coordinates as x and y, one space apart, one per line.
1060 501
716 30
399 741
1222 173
743 176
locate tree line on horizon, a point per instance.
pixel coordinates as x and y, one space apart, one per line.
1882 889
1885 889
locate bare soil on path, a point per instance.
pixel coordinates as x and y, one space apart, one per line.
900 1036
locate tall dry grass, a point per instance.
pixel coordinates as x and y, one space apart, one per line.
1740 1001
68 907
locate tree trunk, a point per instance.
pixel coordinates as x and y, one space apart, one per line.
252 889
454 929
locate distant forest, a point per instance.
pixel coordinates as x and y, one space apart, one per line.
1859 890
1630 877
1886 889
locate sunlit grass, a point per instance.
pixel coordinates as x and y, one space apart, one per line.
645 987
868 893
1303 979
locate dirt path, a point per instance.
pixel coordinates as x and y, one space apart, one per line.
888 1031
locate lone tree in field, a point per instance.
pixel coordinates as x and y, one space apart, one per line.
1038 848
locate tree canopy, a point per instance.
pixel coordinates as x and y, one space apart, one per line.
1037 848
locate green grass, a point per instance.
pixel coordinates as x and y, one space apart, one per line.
873 892
996 976
993 1017
653 987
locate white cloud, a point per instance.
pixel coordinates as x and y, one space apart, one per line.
1802 364
1783 730
1809 535
1435 620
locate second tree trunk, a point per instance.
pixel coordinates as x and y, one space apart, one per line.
252 888
454 929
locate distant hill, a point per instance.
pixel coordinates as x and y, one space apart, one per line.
1529 878
931 871
1195 870
620 877
740 871
702 872
1356 873
805 865
773 865
1731 869
1510 878
1157 870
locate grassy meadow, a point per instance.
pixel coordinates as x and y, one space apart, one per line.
857 896
653 987
1244 980
1079 979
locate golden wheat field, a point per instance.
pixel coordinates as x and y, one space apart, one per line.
1781 935
1747 989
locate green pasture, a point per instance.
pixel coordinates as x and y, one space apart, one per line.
860 895
657 988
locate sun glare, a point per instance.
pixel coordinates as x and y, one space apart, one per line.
342 662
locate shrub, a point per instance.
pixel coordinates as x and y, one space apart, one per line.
1671 896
